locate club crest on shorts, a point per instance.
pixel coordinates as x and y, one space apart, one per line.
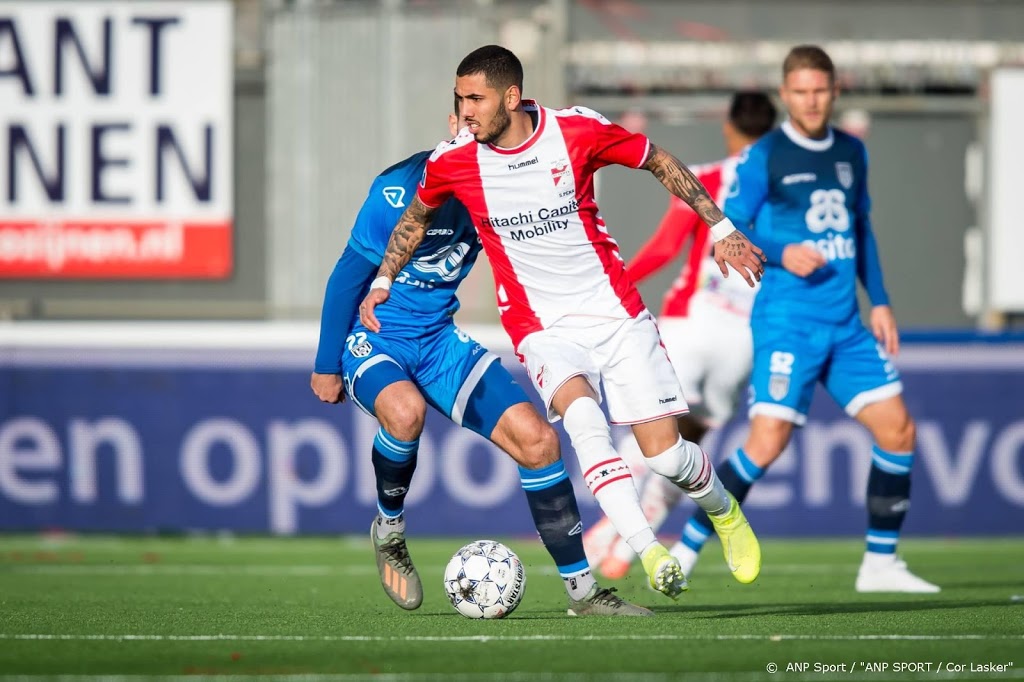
844 171
778 386
361 350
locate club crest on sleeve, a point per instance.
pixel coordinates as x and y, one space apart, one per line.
395 196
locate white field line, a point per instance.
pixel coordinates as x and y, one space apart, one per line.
507 638
321 569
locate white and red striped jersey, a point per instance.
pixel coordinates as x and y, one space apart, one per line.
700 275
535 211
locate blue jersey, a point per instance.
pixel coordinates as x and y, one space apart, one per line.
792 189
423 295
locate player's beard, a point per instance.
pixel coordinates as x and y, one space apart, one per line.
499 126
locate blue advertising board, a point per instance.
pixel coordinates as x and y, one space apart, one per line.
148 440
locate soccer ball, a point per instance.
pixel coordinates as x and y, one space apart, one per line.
485 579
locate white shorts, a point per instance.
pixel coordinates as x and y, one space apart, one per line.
712 352
626 357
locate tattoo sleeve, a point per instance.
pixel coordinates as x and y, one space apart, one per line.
678 180
406 236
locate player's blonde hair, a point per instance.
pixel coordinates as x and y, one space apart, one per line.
808 57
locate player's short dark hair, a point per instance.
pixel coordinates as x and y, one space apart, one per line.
808 57
752 113
498 64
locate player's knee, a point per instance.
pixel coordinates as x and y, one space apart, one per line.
900 437
540 447
767 439
403 419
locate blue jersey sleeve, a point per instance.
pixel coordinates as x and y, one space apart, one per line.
346 287
747 195
869 265
376 219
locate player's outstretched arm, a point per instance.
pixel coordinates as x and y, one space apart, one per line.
731 246
405 238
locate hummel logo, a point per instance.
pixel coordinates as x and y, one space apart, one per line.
577 529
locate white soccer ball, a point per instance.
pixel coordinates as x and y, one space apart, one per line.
485 579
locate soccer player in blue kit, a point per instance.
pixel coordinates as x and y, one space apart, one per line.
420 357
803 188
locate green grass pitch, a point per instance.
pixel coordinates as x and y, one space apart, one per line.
312 609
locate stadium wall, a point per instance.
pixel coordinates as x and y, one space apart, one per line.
209 427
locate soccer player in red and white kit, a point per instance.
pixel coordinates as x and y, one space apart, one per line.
526 175
704 322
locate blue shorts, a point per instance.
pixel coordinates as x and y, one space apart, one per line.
789 359
456 375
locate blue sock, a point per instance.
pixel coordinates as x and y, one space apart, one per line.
888 498
737 474
394 462
556 515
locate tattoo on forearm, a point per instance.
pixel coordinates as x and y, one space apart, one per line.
678 180
406 236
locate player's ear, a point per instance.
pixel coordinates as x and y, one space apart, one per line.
513 97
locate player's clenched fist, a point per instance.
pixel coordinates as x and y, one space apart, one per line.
328 387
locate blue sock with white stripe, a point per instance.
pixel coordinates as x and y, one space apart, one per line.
556 515
738 474
394 462
888 498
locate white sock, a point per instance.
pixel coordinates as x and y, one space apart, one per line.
686 465
389 524
605 473
875 560
579 586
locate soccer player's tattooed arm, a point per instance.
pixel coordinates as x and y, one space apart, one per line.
679 180
405 238
733 248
